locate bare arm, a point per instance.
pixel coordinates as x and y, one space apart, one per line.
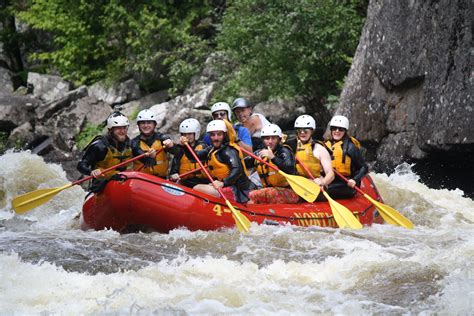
322 154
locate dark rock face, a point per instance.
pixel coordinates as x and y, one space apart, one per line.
409 92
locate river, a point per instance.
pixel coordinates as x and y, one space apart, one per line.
49 266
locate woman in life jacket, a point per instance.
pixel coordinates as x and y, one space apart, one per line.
313 154
243 111
106 151
276 188
183 161
151 142
225 164
346 158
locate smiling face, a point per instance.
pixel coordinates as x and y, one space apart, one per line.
304 134
243 114
146 127
217 138
270 141
337 133
119 133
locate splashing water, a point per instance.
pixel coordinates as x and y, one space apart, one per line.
48 265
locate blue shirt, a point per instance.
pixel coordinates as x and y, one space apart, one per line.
242 133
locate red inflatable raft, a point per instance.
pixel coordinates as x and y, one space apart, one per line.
139 201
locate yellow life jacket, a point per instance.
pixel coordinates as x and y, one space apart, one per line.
114 157
304 153
340 160
220 170
185 165
270 177
161 167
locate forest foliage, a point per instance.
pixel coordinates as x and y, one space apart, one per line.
270 49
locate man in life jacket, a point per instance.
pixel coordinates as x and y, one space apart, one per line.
106 151
151 142
276 188
224 161
221 111
311 153
346 158
243 111
183 161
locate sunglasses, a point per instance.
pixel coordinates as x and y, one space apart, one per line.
303 130
337 128
219 114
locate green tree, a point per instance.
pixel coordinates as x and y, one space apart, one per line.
115 39
281 48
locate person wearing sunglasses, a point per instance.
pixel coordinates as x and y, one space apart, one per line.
221 111
346 158
311 153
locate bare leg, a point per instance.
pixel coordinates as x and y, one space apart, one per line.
207 188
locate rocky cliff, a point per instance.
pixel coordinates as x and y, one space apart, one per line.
409 91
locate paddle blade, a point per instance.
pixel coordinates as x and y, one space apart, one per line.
30 200
344 218
302 186
241 221
390 215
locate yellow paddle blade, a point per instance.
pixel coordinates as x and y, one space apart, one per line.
302 186
30 200
344 218
241 221
390 215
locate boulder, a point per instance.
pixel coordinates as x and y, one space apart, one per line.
116 94
48 87
410 86
16 110
6 83
46 110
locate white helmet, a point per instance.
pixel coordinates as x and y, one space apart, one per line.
146 115
339 121
305 121
271 130
190 125
216 125
117 119
221 106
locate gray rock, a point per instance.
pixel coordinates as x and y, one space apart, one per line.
46 110
21 136
116 94
282 113
16 110
48 87
410 86
6 84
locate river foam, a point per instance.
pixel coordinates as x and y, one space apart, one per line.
48 265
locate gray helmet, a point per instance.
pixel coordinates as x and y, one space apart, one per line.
240 103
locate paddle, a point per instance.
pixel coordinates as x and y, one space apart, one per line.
344 217
302 186
389 214
30 200
242 222
189 172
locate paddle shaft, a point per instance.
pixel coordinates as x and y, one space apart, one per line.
251 154
205 170
347 180
189 172
308 172
126 162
